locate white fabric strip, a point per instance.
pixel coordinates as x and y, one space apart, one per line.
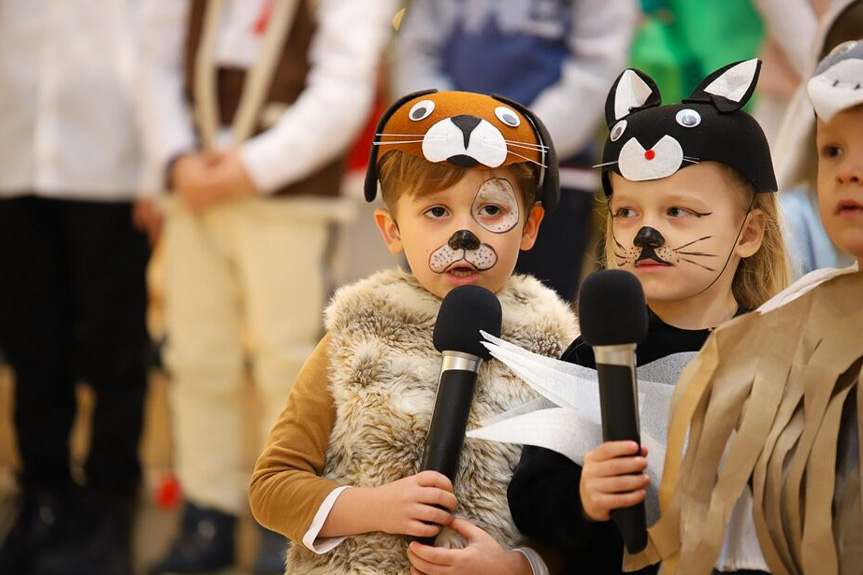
537 565
310 539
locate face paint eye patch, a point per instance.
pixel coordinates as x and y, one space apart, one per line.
421 110
495 206
507 116
618 130
688 118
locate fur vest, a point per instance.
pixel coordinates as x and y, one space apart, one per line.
383 379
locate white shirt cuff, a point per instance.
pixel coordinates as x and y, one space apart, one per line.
310 539
537 565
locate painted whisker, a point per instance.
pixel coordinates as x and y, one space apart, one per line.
702 254
690 243
699 265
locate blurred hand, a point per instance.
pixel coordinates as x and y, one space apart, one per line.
189 179
482 555
147 217
204 179
229 178
409 506
612 477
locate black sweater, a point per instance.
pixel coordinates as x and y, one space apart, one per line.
544 496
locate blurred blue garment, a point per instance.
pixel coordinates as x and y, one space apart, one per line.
807 243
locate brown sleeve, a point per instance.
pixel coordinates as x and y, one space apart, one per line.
287 489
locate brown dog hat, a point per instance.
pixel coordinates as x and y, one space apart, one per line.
466 130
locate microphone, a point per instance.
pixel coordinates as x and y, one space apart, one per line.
463 313
613 317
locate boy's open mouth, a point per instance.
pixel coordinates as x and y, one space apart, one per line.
849 207
461 269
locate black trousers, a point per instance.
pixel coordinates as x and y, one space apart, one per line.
72 308
559 251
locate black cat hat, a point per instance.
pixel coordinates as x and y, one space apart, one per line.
648 141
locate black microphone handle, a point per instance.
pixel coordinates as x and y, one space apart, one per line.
448 425
449 421
619 405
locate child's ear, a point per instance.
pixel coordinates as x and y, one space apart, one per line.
531 226
389 230
752 235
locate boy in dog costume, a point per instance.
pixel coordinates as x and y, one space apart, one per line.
466 179
771 405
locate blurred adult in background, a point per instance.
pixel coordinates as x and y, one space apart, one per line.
557 56
248 108
679 42
72 290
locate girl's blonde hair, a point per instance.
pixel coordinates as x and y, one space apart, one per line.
763 274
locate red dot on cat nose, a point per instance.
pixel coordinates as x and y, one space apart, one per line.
649 155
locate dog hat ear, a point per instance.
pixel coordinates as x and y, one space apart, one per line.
549 189
633 90
729 87
371 184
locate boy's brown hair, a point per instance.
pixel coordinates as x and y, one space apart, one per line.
401 173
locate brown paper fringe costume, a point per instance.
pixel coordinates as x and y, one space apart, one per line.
771 401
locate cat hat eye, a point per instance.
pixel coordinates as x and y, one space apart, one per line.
649 141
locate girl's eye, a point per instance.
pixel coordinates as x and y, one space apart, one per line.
436 212
679 212
831 151
624 213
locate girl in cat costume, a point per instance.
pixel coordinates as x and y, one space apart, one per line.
692 215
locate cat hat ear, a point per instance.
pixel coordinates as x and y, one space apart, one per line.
837 83
648 141
729 87
633 90
466 130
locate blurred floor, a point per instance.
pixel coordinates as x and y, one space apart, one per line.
155 526
361 254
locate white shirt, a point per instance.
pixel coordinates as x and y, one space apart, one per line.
317 128
599 40
67 127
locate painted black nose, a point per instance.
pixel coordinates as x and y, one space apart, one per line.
466 124
648 237
464 240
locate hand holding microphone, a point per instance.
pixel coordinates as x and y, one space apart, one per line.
463 313
613 317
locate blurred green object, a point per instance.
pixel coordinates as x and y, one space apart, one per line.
680 41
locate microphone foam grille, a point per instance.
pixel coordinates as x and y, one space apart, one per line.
463 313
611 309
